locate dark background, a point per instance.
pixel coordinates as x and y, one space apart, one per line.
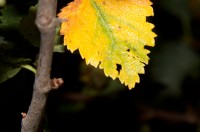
166 99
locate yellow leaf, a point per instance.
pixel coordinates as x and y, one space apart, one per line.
110 33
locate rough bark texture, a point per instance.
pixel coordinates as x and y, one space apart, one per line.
46 22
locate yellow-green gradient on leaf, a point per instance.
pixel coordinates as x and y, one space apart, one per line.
110 33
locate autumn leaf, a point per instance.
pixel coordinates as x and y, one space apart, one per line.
111 34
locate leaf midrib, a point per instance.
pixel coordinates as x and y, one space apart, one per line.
104 23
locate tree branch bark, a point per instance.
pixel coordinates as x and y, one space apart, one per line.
46 22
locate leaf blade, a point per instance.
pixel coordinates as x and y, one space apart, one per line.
110 33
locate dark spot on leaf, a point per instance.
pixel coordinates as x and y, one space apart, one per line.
103 2
128 50
119 67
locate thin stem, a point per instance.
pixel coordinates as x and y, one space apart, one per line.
46 22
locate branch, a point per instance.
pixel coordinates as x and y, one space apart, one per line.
46 22
191 116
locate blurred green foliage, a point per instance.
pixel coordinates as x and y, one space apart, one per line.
25 38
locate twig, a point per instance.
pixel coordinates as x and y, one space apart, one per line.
191 116
46 22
